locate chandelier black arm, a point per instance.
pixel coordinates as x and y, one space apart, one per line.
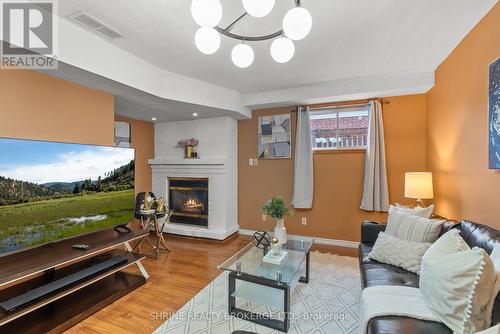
249 38
227 31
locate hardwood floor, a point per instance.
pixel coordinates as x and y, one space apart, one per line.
174 279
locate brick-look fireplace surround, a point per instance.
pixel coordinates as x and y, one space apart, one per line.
217 164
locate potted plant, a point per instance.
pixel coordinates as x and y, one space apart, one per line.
188 145
275 208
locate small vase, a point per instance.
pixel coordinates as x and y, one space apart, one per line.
188 152
280 231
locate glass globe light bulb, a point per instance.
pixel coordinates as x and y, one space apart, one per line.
242 55
258 8
297 23
207 13
282 50
207 40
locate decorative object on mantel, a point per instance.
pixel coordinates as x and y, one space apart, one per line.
494 115
296 25
275 136
276 208
418 185
189 145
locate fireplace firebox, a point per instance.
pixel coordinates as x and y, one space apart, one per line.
188 198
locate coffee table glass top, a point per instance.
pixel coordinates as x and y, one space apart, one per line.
249 261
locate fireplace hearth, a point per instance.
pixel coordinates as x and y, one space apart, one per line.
188 198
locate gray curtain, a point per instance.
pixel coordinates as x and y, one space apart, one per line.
303 179
375 192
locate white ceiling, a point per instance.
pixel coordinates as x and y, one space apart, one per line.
350 38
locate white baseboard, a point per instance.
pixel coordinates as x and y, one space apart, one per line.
198 231
337 242
321 241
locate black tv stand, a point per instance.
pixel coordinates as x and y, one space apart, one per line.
51 288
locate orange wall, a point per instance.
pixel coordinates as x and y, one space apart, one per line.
142 136
457 128
38 106
338 176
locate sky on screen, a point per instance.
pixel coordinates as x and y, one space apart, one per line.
43 162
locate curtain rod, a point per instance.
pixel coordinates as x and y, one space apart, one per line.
339 106
348 105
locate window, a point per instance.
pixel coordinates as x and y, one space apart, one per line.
339 127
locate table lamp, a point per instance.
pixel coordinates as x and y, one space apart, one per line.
418 185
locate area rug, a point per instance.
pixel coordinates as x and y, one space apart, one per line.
329 304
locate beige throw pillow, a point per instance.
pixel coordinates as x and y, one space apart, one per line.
450 242
457 283
413 228
495 258
421 212
399 252
491 330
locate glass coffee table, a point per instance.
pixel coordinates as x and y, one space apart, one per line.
252 279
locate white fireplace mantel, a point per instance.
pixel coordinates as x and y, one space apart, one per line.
177 161
218 163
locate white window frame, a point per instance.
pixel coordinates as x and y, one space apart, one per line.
337 110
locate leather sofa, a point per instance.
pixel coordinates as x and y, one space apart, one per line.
374 273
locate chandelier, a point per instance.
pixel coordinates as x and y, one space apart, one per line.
297 24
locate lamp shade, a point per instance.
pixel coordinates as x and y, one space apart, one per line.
418 185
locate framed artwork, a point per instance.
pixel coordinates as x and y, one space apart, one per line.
494 115
275 136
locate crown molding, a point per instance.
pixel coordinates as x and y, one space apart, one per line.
344 90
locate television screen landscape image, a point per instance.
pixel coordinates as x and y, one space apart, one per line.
50 191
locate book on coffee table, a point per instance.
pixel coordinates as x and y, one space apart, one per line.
275 257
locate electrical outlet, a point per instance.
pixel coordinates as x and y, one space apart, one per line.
255 162
264 217
304 220
250 162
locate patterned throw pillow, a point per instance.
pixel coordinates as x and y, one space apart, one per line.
457 283
413 228
421 212
399 252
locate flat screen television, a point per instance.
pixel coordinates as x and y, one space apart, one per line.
50 190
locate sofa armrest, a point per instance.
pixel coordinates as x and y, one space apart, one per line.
370 231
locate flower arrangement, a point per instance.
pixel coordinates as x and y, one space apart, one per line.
276 208
188 142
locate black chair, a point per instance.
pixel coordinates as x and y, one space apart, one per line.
139 199
149 220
